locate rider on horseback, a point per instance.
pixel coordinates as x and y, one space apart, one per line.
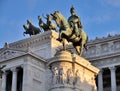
75 23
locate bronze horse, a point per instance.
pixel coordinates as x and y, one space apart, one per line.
42 24
49 22
67 33
48 25
31 29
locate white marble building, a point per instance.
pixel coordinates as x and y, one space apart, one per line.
26 61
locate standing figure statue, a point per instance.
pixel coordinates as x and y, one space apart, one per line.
74 22
55 76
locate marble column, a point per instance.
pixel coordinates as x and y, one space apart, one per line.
113 78
24 83
100 80
14 79
4 76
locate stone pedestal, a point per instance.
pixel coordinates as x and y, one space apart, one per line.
71 72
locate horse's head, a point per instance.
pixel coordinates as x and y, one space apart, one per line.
40 21
39 18
57 18
29 22
25 27
60 19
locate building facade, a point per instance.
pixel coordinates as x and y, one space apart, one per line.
104 53
26 60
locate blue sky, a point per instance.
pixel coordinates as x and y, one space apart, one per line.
99 17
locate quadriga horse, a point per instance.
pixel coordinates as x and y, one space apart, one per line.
46 26
67 33
42 24
31 29
34 29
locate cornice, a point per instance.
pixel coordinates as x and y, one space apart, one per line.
10 54
104 39
34 39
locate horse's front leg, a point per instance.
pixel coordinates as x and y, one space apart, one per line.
60 35
64 43
77 49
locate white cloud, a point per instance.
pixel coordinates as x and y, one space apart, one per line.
102 18
114 3
99 18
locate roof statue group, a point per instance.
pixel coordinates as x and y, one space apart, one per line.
70 30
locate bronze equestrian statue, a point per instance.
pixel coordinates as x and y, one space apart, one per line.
31 29
71 31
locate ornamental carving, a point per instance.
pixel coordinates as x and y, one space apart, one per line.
60 76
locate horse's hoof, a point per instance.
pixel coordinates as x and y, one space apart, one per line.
59 39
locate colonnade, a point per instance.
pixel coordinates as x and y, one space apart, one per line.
112 76
14 72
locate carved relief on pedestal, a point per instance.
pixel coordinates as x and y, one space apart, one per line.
58 76
71 73
65 76
62 76
70 78
55 75
77 77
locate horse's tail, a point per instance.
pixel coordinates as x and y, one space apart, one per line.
85 46
24 33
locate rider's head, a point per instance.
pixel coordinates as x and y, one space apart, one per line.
72 10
